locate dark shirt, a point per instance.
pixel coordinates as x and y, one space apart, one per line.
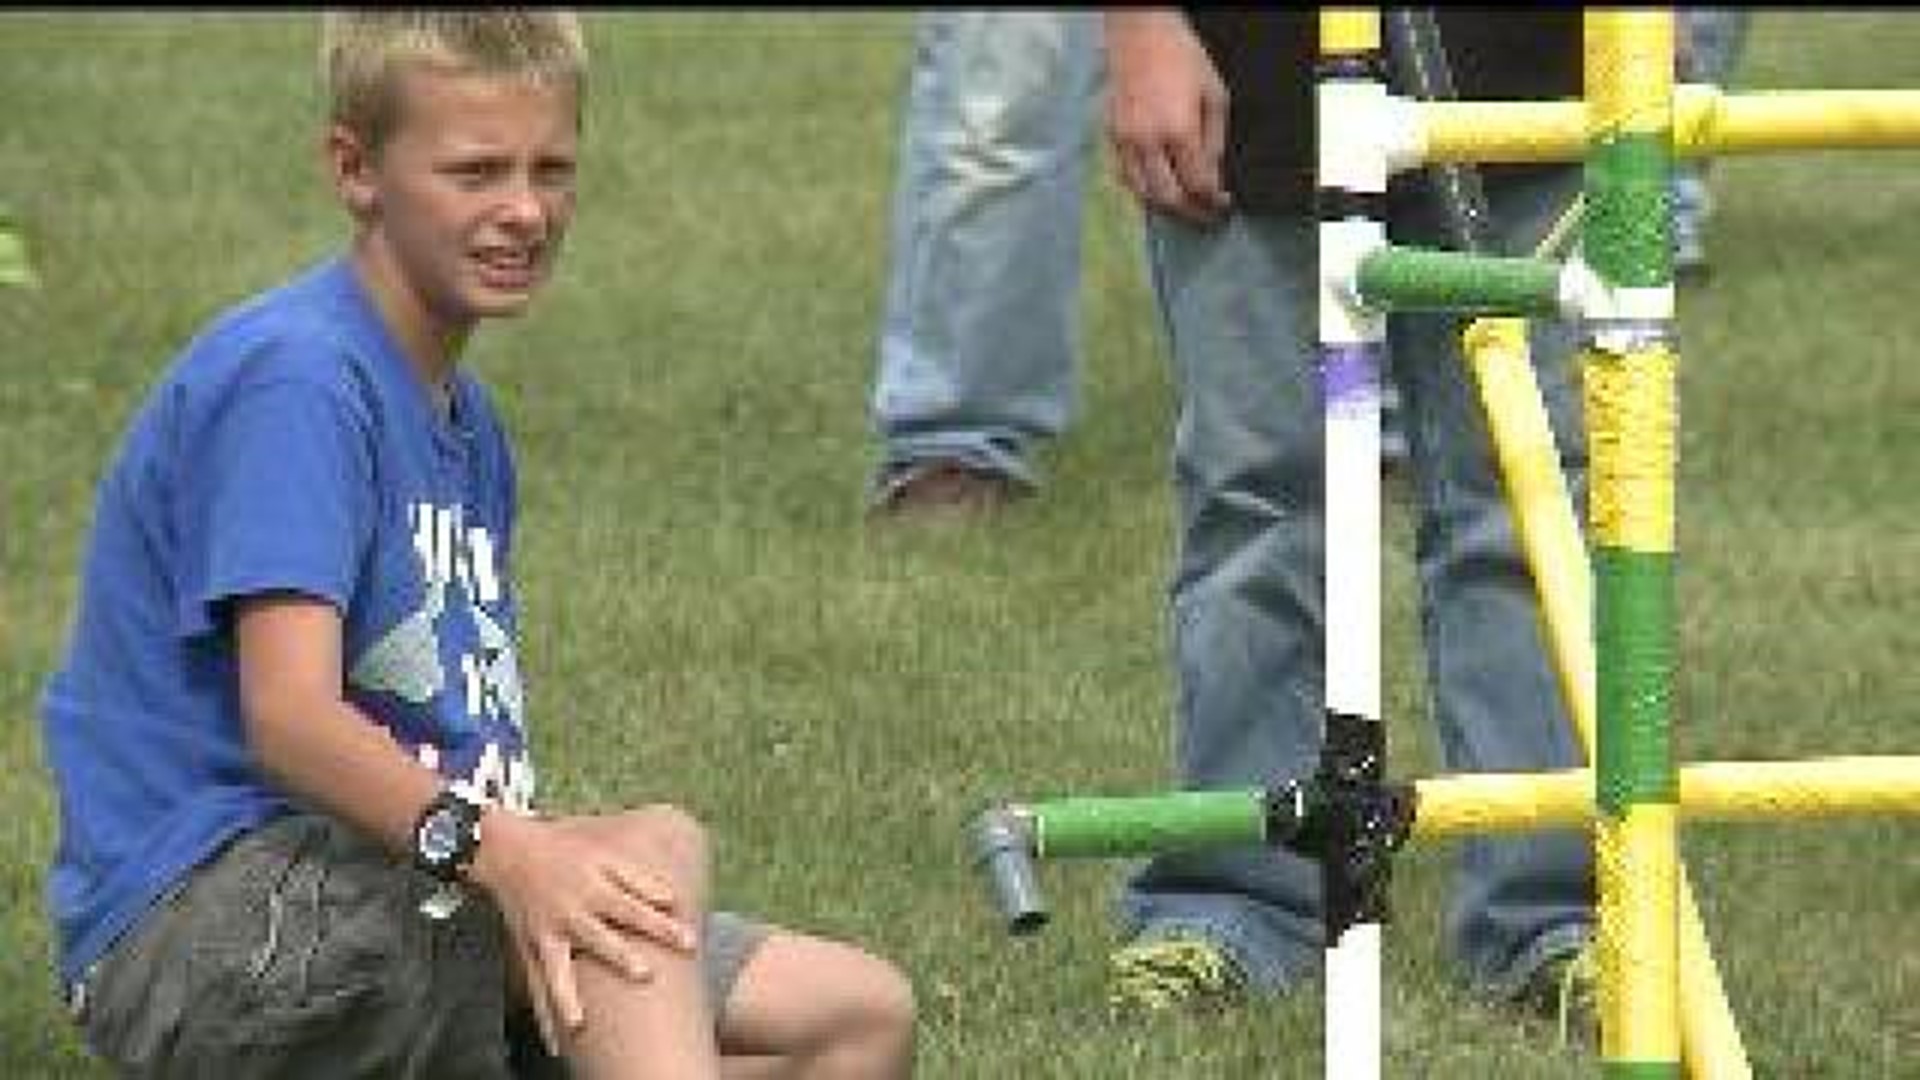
1266 55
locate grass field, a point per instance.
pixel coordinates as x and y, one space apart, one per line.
708 621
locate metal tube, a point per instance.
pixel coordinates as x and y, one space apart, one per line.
1003 848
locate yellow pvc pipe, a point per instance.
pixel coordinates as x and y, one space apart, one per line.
1726 791
1766 121
1815 787
1540 505
1543 515
1632 401
1345 31
1637 856
1628 70
1630 417
1706 122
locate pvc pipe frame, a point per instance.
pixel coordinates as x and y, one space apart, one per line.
1462 804
1542 511
1351 159
1703 121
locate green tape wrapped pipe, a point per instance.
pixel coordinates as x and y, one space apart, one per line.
1628 233
1414 279
1148 824
1633 629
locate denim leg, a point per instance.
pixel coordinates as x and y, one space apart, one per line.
979 335
1708 43
1491 689
1692 199
1237 303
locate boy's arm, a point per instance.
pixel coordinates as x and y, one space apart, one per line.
557 890
307 736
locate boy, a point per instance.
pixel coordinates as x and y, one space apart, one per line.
297 836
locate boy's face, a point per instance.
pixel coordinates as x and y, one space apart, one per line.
464 207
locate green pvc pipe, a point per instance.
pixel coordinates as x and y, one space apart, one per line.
1413 279
15 269
1148 824
1633 623
1628 238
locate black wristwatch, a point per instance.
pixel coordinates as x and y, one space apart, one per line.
447 835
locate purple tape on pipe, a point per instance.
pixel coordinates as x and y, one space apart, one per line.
1349 374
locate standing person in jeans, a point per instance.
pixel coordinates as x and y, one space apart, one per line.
980 334
1211 117
980 343
1708 43
298 834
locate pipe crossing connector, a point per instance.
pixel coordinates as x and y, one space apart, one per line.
1350 820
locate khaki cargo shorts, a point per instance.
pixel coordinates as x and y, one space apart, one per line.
300 951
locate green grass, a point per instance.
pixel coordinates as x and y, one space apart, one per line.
707 620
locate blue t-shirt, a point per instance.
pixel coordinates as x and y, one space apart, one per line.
290 447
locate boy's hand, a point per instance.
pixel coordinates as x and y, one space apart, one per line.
1166 113
562 891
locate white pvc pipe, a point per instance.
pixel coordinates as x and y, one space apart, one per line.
1351 158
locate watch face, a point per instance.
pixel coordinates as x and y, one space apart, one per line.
447 836
440 836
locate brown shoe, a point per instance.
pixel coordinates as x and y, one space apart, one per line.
948 489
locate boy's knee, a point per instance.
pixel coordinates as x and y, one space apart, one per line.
665 831
683 831
894 1007
879 1007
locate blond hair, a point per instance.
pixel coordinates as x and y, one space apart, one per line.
364 51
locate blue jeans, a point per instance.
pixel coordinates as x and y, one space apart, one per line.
1246 598
1708 43
980 333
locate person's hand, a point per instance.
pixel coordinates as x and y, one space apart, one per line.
562 891
1166 113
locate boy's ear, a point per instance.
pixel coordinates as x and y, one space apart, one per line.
352 169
